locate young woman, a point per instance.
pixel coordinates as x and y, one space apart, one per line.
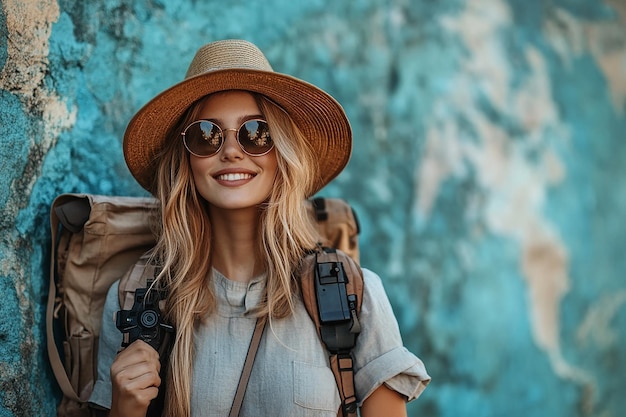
231 153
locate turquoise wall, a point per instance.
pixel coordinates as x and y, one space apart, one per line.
488 172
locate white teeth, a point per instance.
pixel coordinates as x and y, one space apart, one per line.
234 177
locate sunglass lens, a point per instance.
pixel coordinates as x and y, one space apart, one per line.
203 138
254 137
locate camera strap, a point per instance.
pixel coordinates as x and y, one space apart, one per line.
247 367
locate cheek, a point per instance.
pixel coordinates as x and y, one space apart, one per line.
271 169
199 166
271 163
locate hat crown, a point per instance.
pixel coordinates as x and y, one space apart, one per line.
227 54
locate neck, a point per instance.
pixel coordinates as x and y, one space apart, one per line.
235 242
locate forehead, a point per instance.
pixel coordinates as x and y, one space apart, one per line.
229 106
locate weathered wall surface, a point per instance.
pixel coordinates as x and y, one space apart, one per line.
488 172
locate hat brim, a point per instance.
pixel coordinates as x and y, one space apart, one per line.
318 115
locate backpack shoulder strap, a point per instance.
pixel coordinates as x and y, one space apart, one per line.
332 292
136 277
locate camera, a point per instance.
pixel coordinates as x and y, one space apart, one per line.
145 320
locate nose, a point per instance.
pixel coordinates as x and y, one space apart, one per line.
231 149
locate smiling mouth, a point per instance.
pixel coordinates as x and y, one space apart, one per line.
234 177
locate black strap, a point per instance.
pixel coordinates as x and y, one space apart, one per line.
247 367
319 205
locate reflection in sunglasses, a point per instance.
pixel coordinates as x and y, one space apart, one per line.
204 138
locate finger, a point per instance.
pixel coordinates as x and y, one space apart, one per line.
136 353
140 347
138 375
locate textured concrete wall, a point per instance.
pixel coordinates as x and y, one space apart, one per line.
488 172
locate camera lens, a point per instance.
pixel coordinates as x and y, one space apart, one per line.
149 319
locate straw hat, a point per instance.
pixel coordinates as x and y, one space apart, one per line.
239 65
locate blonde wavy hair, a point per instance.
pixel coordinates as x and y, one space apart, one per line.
184 245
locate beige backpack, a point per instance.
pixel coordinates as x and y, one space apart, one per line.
97 239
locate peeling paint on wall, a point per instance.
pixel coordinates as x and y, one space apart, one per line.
37 116
513 156
29 25
572 37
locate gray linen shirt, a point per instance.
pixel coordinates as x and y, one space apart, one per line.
291 376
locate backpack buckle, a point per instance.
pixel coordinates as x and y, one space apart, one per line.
339 325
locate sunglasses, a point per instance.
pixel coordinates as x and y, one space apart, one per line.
204 138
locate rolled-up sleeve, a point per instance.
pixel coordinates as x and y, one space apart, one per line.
380 356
